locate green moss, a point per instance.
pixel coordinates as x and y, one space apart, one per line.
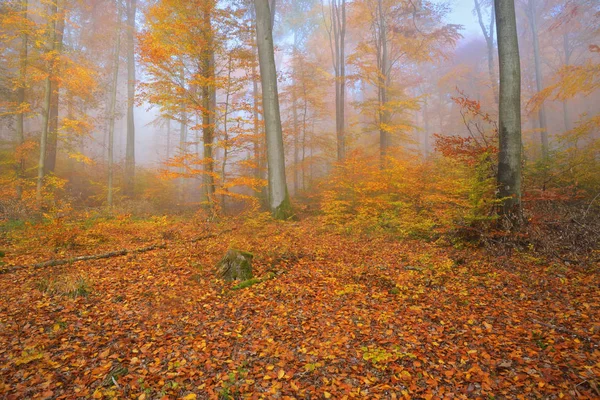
284 211
246 283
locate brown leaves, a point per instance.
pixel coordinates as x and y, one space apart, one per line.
345 319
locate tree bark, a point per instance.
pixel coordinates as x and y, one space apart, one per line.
21 100
278 195
509 158
489 40
383 61
113 102
51 151
130 145
46 105
538 77
337 40
565 105
209 106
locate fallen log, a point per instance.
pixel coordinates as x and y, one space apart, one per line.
53 263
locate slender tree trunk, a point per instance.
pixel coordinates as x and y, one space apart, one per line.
489 40
46 104
295 115
426 127
209 106
168 156
509 130
21 100
130 146
226 132
183 152
538 77
52 148
278 194
384 115
113 103
565 105
337 38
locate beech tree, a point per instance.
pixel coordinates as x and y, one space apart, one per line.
509 114
279 201
130 149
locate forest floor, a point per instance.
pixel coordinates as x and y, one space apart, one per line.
333 315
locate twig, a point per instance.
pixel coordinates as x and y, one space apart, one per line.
564 330
210 236
53 263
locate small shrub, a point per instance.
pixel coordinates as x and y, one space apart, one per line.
70 285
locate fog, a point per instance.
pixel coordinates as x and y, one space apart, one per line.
436 53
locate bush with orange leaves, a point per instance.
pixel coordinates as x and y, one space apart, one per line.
410 197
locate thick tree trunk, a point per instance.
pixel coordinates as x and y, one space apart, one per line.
130 145
538 77
21 100
51 150
113 102
278 195
509 158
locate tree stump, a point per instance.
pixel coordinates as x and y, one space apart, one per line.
236 265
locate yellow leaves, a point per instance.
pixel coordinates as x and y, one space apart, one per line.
190 396
81 158
29 355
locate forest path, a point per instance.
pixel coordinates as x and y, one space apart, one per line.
339 316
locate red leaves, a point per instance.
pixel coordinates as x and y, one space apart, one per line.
343 317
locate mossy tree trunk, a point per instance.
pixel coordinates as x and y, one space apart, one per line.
236 265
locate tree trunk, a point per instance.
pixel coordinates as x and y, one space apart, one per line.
384 115
55 97
130 146
113 102
46 105
209 106
509 158
426 127
278 195
565 105
168 139
538 77
489 40
337 38
20 159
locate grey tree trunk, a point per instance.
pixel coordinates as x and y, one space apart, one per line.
21 100
52 144
538 77
46 106
383 61
426 127
565 105
488 34
337 43
168 139
130 144
113 102
209 107
509 130
278 195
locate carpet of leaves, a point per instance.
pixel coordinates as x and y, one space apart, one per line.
336 316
